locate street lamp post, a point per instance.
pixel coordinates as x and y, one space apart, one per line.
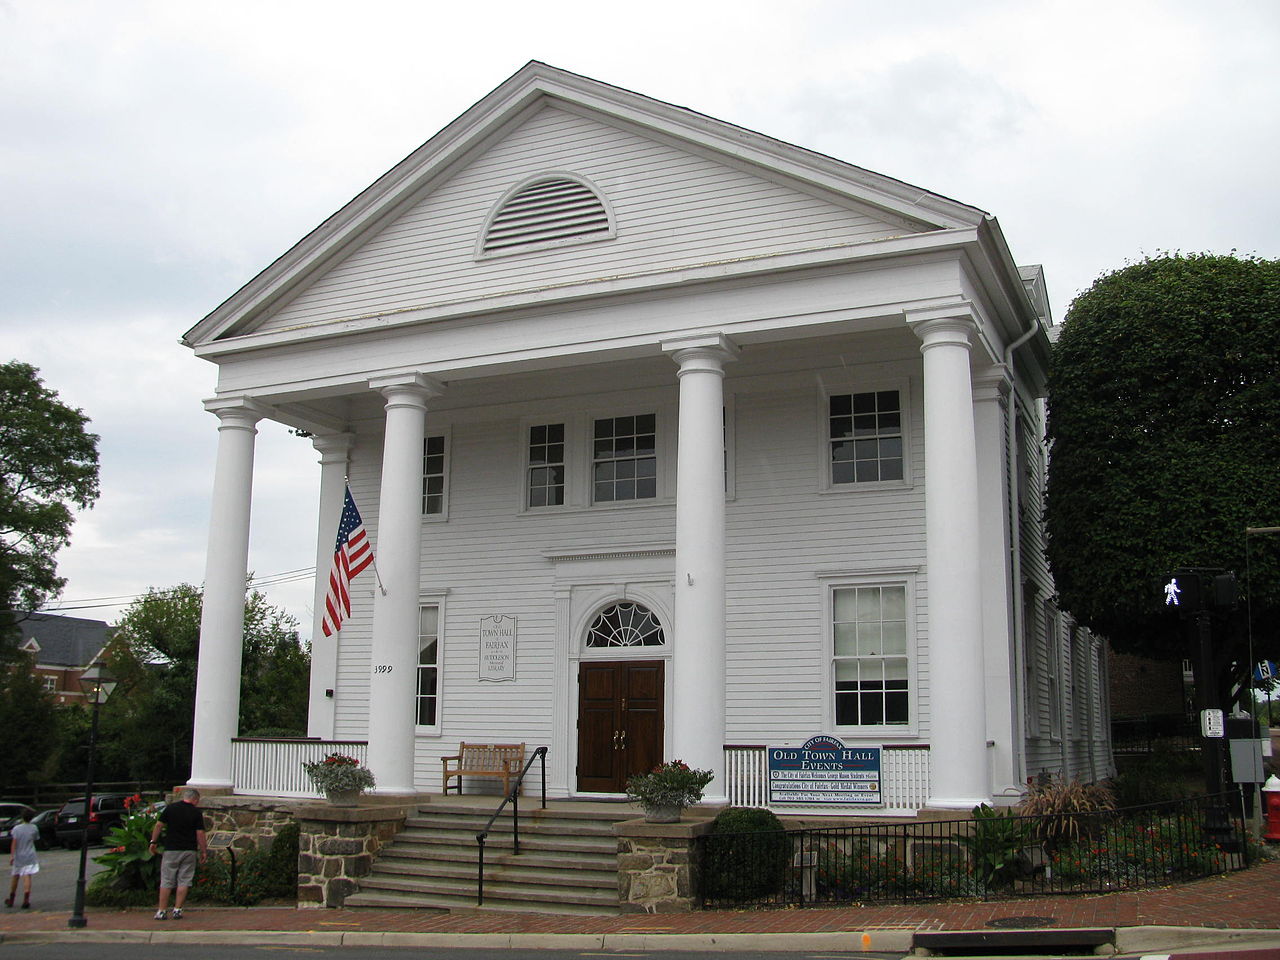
98 683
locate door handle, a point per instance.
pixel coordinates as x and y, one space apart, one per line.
624 739
615 739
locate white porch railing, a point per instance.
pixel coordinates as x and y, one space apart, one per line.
904 779
273 768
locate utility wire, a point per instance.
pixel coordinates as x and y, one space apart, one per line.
97 603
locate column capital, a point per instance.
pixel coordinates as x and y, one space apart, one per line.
333 447
413 389
993 383
709 351
237 411
953 323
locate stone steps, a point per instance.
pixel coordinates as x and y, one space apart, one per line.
567 862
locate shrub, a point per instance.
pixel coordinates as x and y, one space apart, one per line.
102 891
260 874
670 784
1071 809
281 866
747 855
338 772
128 861
1141 853
857 869
996 844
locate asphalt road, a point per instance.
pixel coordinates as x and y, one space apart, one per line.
53 889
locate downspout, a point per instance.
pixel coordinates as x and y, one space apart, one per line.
1015 545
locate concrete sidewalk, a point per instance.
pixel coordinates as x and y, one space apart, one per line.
1241 909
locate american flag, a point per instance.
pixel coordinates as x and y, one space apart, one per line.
351 554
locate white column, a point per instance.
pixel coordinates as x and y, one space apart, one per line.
990 411
334 450
217 710
958 763
398 551
697 720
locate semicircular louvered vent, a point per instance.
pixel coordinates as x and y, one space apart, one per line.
545 211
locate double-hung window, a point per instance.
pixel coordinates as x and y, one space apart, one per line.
428 699
546 470
624 464
435 475
864 437
871 660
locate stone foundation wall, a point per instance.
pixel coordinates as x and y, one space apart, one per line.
657 868
254 821
337 847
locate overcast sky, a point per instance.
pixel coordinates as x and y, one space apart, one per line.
154 156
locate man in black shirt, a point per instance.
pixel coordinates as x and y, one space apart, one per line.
184 845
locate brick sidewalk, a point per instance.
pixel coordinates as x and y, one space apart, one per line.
1249 900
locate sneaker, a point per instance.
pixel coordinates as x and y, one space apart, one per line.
161 915
177 913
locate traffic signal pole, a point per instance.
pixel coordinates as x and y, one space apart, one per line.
1211 747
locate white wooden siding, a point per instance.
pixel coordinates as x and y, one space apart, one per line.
673 209
783 533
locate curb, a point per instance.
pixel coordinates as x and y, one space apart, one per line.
891 941
1128 940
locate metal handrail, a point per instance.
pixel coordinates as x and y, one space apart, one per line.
512 797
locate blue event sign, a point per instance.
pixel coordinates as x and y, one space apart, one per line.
824 771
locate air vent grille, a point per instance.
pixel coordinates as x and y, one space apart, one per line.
545 211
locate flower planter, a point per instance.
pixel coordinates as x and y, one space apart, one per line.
663 813
343 798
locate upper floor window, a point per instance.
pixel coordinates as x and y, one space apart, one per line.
428 699
624 462
546 475
434 475
870 659
865 436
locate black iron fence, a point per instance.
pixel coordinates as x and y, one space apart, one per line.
991 856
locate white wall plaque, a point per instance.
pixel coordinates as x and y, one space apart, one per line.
498 648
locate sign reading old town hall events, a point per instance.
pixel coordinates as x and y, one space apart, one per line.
825 771
498 648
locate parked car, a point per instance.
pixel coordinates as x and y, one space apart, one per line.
46 821
10 817
106 810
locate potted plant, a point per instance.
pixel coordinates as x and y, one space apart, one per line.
667 789
340 778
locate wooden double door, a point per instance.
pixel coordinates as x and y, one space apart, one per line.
620 722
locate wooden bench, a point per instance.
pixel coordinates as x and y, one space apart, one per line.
484 760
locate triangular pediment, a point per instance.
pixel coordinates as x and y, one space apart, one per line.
669 191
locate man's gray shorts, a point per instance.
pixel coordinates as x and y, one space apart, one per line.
178 868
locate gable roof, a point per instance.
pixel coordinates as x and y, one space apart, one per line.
63 641
509 105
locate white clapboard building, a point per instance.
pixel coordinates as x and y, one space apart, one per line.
673 441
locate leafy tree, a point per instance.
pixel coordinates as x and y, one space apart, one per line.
148 723
1164 399
29 717
48 464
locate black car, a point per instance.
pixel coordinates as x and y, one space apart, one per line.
10 817
46 821
106 811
